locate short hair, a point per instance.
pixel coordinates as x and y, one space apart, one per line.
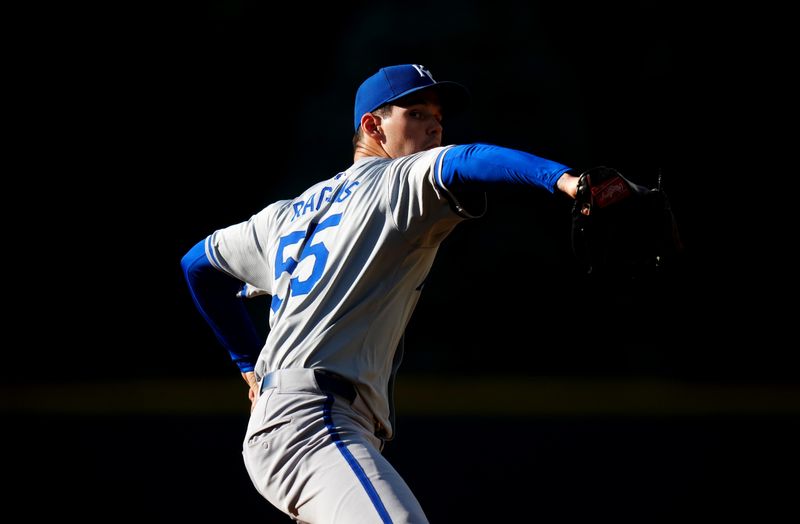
382 111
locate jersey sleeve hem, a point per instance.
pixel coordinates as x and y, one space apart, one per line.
214 259
458 206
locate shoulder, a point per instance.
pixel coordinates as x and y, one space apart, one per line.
427 157
420 167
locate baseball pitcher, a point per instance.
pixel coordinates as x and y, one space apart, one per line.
344 263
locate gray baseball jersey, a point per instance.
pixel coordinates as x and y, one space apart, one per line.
344 263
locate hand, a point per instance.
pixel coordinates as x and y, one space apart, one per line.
252 394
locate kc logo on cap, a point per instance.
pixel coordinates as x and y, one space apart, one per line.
422 71
394 82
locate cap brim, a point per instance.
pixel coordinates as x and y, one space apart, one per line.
453 97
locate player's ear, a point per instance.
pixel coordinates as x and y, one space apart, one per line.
370 124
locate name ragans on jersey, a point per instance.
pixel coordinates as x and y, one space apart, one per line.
326 194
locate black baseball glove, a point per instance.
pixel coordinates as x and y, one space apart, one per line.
621 228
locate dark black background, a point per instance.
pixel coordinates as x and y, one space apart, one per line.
144 127
166 122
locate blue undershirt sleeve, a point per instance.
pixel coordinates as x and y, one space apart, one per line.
214 294
482 166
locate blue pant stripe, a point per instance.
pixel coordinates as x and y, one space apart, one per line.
354 465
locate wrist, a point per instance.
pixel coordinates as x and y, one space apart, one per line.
568 184
250 378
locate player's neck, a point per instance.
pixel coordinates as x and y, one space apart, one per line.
369 148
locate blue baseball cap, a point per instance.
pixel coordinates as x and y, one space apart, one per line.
394 82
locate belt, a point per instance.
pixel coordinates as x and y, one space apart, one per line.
328 382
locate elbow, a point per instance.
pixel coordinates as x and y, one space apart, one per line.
193 261
186 264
